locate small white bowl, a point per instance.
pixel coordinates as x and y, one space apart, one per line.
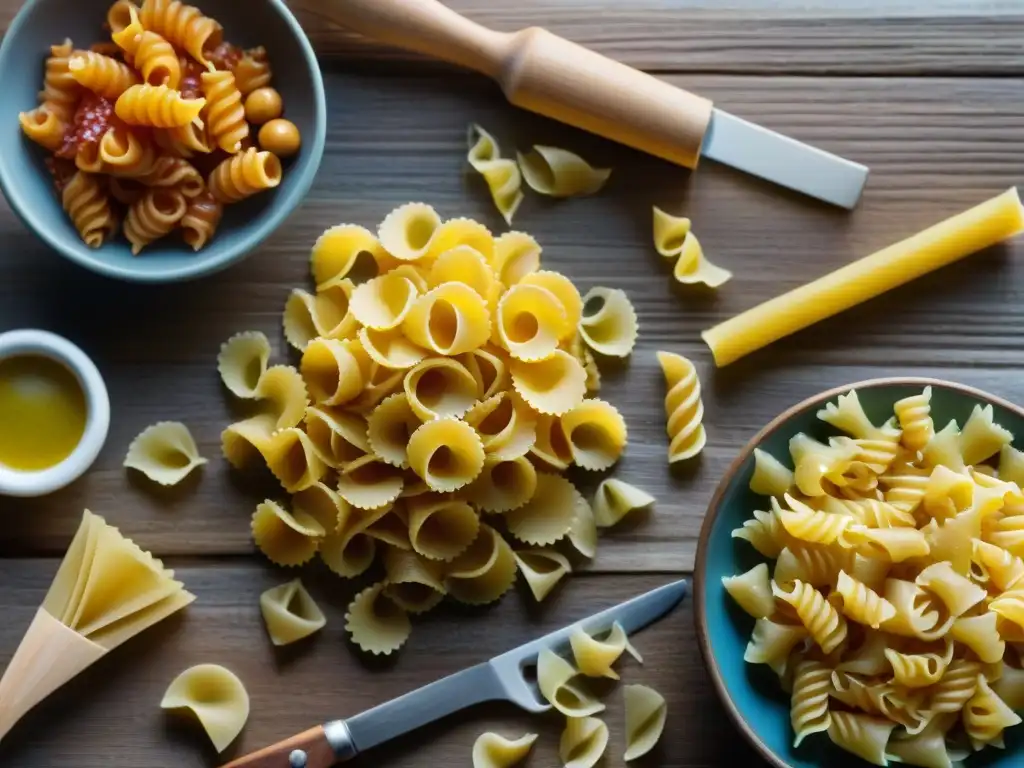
97 423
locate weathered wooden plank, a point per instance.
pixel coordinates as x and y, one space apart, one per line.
109 717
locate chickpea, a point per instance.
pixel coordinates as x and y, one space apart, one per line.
280 137
263 105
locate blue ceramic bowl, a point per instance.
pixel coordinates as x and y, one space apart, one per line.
28 186
751 692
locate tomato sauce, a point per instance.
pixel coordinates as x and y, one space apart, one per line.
93 117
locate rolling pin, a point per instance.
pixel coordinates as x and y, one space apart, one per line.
554 77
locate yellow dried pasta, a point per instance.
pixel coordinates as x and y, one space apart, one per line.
583 742
286 539
674 239
646 711
614 499
594 658
165 452
552 386
684 407
542 569
556 680
530 321
501 174
484 572
446 454
560 173
375 623
608 324
492 750
595 433
290 614
217 699
548 516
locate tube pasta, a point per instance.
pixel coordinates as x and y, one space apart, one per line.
217 699
552 386
286 539
164 452
548 516
555 678
542 569
646 711
501 174
484 572
492 750
375 623
594 658
683 407
583 742
449 320
290 614
595 433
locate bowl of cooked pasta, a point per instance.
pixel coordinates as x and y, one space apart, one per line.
859 587
153 140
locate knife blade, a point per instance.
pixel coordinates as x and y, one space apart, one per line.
500 679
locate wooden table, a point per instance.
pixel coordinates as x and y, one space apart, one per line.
926 93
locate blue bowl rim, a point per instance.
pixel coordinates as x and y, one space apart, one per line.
700 563
200 267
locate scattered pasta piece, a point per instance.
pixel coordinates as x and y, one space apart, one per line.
242 361
542 569
583 742
501 174
560 173
216 697
285 539
614 499
608 324
164 452
645 719
376 623
674 239
583 531
595 658
492 750
555 679
290 613
552 386
683 407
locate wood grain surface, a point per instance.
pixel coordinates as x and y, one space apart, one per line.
927 94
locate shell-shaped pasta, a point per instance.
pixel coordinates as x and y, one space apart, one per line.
669 233
183 25
294 460
609 325
164 452
551 386
290 613
331 372
506 425
771 643
215 696
815 565
859 602
558 172
501 174
407 231
981 635
583 531
548 516
957 686
765 533
684 408
157 106
861 735
103 75
646 711
986 716
892 544
415 583
492 750
281 387
770 477
542 569
389 427
555 678
201 219
808 711
225 116
459 233
446 454
1004 569
516 254
348 551
530 321
918 613
88 206
326 314
981 436
550 446
242 361
813 526
123 152
823 622
503 484
43 126
153 216
847 414
348 250
450 319
376 623
383 302
583 742
915 417
441 528
614 499
286 539
465 264
484 572
595 433
944 449
957 592
594 658
752 591
919 670
243 175
369 483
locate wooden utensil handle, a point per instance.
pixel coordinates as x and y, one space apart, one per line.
313 744
544 73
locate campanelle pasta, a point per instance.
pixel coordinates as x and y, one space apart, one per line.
542 569
376 623
290 613
674 240
501 174
492 750
583 742
165 452
217 699
893 597
560 173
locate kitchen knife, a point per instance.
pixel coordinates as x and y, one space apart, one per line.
500 679
550 75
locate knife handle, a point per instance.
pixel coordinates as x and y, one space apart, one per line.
543 73
319 747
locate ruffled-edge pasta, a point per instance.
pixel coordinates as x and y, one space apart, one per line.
614 499
440 387
548 516
560 173
530 321
492 750
684 408
595 433
165 452
389 428
552 386
501 174
608 325
507 427
542 569
583 742
375 623
283 392
446 454
348 251
771 477
407 231
294 460
217 699
370 483
324 314
415 583
583 531
458 233
290 613
450 319
484 572
646 711
338 436
242 361
594 658
516 254
464 264
503 484
331 372
383 302
441 528
286 539
350 550
390 349
558 686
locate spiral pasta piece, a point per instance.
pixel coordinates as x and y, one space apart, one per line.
156 59
862 735
201 219
859 602
183 25
225 117
253 70
244 174
155 215
813 526
914 415
817 566
157 106
61 91
683 406
123 152
809 711
986 715
101 74
182 141
89 208
821 619
43 126
920 670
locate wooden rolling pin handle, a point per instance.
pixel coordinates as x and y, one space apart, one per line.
311 750
544 73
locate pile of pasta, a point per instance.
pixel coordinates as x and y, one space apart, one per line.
157 120
433 409
894 612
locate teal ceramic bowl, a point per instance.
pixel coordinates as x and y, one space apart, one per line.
29 188
751 692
